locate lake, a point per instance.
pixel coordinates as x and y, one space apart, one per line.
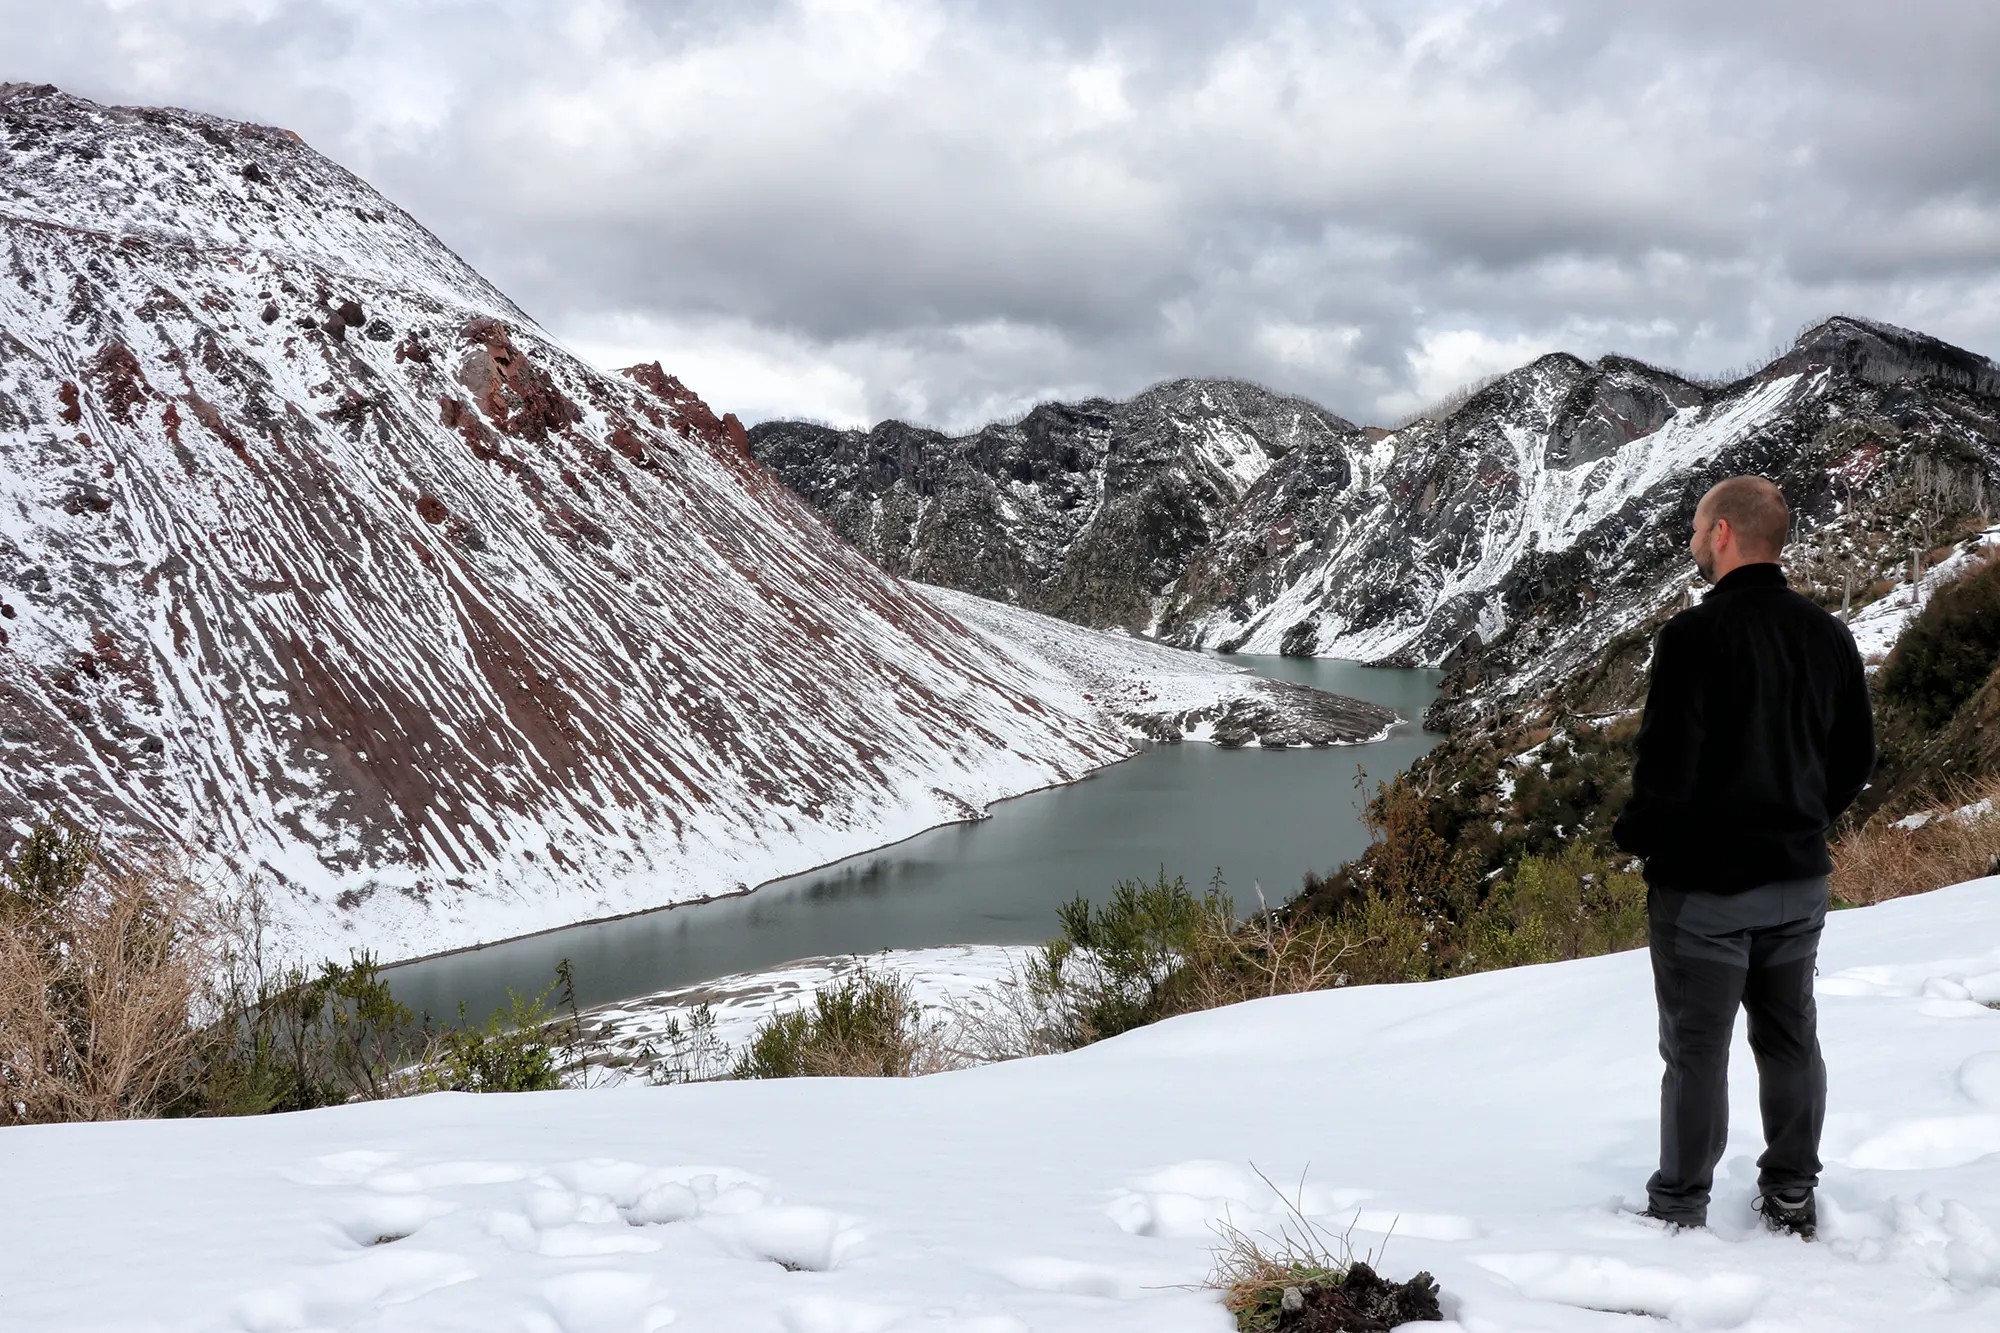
1257 815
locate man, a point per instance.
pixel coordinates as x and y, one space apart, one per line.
1757 734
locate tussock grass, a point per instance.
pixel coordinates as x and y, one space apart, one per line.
1254 1270
1880 861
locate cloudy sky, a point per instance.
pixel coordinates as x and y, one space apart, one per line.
852 209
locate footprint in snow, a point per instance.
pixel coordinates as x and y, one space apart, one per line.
824 1314
1705 1299
374 1220
1942 1237
1979 1079
585 1209
800 1238
333 1295
446 1175
605 1301
593 1207
1070 1277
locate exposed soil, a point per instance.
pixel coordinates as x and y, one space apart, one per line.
1364 1302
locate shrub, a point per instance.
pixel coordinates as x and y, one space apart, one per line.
689 1052
1577 904
138 992
1949 650
101 974
868 1025
1114 967
301 1040
510 1052
1152 951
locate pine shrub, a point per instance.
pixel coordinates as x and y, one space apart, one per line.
1949 650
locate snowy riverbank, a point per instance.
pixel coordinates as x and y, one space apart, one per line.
1495 1122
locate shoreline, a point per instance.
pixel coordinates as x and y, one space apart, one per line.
1142 747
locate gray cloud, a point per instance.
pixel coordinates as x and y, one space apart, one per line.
946 211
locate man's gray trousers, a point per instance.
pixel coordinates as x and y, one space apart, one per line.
1711 953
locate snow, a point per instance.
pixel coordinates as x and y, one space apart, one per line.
1878 625
1490 1129
941 980
1968 813
1123 676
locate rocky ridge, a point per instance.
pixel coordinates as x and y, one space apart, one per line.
1523 539
1086 511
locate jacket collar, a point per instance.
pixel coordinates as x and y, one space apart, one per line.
1765 575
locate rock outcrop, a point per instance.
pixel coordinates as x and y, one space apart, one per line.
1087 511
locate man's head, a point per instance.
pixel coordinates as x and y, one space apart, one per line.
1741 521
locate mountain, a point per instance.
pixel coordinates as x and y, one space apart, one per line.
1517 539
318 556
1086 511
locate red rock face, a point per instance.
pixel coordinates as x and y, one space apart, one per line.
427 618
688 414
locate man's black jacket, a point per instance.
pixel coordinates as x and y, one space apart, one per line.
1757 734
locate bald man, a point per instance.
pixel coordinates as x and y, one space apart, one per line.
1757 734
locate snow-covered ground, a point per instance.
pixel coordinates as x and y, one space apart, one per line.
1495 1124
941 980
1877 626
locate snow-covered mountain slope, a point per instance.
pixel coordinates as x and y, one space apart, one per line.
1877 626
1494 1130
317 554
1518 537
1169 694
1085 511
1525 533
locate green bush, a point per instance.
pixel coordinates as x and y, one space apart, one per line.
866 1026
1949 650
1116 967
302 1040
1577 904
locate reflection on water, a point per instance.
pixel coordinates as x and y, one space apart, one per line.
1259 816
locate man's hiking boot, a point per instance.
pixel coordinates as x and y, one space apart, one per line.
1793 1213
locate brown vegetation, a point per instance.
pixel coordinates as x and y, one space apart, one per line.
1305 1279
1881 860
130 990
101 980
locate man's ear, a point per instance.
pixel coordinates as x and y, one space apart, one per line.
1721 533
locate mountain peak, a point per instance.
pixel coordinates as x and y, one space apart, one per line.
1882 353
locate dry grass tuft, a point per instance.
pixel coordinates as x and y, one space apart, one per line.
1253 1271
1880 861
1010 1021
